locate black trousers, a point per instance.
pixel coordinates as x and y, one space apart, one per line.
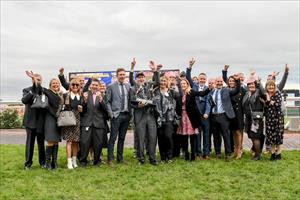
176 142
220 126
29 149
165 141
185 143
91 137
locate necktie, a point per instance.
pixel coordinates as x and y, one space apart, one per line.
123 97
94 98
216 101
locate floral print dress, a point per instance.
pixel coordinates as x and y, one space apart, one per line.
274 120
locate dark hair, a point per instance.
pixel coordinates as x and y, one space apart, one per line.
120 70
202 74
96 80
230 77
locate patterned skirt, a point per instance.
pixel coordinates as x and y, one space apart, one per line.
72 133
186 127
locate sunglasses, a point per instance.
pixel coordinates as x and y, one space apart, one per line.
75 84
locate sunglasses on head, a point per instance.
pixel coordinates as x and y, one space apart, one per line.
75 84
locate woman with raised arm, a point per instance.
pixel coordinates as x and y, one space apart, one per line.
52 131
73 101
189 123
274 120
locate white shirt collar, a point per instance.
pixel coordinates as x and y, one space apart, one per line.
72 95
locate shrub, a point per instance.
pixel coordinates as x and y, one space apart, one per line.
9 118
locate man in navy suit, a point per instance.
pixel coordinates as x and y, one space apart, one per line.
204 107
222 111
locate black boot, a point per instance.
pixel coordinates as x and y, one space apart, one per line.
278 157
49 150
273 157
187 155
54 156
193 157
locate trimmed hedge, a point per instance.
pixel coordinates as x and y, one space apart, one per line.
9 118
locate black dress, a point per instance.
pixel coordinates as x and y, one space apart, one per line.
72 133
237 123
52 131
274 120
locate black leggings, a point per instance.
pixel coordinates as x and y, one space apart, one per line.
185 144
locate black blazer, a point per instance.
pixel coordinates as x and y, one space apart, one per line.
33 118
94 115
191 106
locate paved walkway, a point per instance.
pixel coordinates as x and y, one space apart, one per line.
18 136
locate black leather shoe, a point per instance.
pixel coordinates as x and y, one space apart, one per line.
27 167
141 162
193 157
256 157
278 157
153 162
187 156
273 157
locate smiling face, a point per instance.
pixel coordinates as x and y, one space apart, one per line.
271 87
185 86
140 79
102 87
251 87
121 75
54 85
74 86
219 82
95 86
202 79
231 82
163 82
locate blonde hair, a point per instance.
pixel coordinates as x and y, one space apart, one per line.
188 85
75 81
270 82
167 79
53 79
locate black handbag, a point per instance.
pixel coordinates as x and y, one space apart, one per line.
40 101
256 115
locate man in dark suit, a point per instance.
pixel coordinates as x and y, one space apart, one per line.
204 108
33 121
222 111
144 113
118 107
93 124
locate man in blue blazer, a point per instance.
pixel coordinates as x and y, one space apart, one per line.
204 107
222 112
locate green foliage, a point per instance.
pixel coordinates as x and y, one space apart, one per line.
202 179
9 118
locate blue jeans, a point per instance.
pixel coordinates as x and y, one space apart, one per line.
119 128
203 133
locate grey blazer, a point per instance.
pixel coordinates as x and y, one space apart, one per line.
114 99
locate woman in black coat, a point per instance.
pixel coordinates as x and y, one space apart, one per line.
237 123
52 131
190 119
253 108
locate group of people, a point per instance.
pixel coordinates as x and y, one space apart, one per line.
175 111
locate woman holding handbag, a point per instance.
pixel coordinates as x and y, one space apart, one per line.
72 101
52 132
253 108
274 120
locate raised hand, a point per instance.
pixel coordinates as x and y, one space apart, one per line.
236 76
61 71
30 74
133 62
286 69
274 74
226 67
192 62
159 66
153 65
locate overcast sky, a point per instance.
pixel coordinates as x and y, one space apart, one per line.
93 36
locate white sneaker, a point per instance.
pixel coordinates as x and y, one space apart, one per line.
70 166
74 162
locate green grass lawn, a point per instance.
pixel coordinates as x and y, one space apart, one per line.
213 179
